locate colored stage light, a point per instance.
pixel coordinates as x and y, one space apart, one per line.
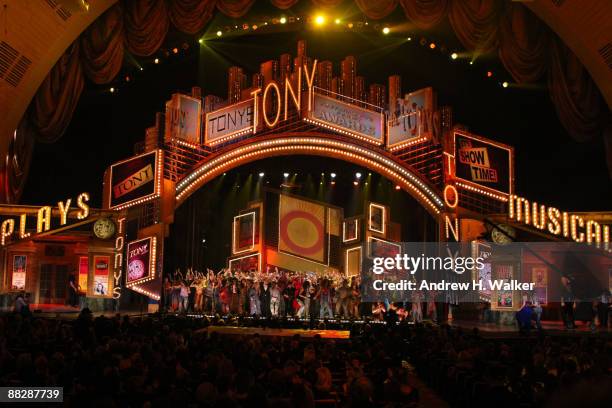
201 41
283 20
432 45
337 21
319 20
358 175
350 25
397 187
333 175
386 30
175 50
454 55
489 74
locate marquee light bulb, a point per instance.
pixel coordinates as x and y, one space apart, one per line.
386 30
283 20
358 175
261 174
219 33
333 175
454 55
505 84
285 175
156 60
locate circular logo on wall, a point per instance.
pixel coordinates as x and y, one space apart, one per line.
104 228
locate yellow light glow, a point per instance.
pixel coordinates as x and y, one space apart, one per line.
8 227
432 45
454 55
201 41
156 60
43 219
219 33
283 20
386 30
319 20
505 84
337 21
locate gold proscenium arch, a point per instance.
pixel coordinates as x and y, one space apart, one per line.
316 145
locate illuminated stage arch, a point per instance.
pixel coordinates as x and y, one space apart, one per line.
314 144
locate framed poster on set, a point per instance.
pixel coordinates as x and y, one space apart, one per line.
135 180
19 272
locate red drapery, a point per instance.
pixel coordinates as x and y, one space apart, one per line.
376 9
191 16
146 25
526 47
425 13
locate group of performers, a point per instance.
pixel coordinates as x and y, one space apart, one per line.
281 293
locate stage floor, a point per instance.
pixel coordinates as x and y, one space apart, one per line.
263 331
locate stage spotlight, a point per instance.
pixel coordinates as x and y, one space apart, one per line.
201 41
141 68
112 90
204 240
127 78
489 74
319 20
337 21
283 20
333 175
432 45
333 183
350 25
285 175
219 33
355 183
386 30
156 60
175 50
409 38
505 84
454 55
358 175
261 174
471 62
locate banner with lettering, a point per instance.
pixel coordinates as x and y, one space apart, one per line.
413 117
133 179
229 122
363 123
139 260
483 163
183 118
101 275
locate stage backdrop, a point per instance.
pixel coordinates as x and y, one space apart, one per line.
302 228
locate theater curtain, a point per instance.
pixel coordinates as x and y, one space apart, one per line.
191 16
525 45
577 99
234 8
51 109
376 9
326 3
425 13
146 25
475 23
102 46
283 4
